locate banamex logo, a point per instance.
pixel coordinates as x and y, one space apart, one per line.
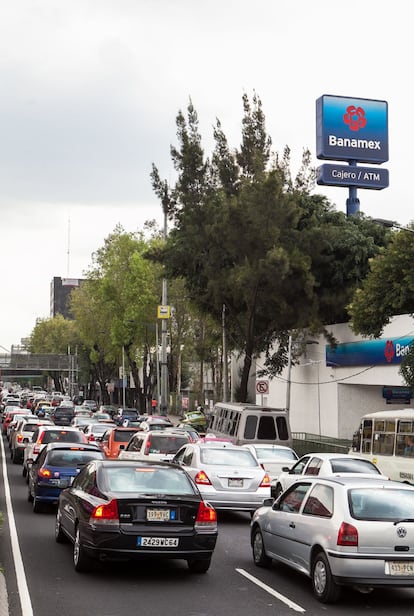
389 351
355 117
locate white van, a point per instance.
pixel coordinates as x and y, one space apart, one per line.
244 423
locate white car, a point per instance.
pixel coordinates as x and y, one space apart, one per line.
273 458
325 465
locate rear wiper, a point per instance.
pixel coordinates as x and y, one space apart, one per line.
403 520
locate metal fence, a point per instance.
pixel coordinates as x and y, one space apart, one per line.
304 442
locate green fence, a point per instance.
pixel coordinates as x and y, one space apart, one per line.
304 442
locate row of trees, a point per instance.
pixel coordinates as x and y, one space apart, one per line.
245 235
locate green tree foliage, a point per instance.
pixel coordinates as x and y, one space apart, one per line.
114 307
57 336
407 368
388 289
250 237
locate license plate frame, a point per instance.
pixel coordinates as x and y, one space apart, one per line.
158 515
157 542
235 482
400 568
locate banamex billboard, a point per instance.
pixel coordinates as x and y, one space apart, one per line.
351 129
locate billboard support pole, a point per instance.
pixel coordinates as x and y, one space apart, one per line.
352 203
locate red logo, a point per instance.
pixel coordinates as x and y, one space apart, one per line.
389 351
355 117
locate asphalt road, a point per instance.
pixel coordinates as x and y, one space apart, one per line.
232 585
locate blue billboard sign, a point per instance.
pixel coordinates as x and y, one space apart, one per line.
375 178
368 353
351 129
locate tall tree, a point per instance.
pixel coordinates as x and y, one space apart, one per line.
251 238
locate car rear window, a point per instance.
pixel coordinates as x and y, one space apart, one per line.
51 436
352 465
147 480
71 458
227 457
386 504
124 436
166 444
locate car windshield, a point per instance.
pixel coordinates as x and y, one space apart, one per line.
71 458
147 480
227 457
373 504
269 453
353 465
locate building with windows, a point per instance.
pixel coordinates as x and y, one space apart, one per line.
60 290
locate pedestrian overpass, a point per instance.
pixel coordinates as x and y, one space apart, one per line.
28 365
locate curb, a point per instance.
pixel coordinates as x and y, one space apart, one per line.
4 604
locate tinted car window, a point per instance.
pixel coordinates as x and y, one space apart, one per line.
124 436
136 479
320 502
71 458
166 444
352 465
50 436
227 457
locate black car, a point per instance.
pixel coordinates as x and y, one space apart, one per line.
63 415
55 468
128 510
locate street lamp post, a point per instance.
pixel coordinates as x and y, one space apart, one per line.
123 377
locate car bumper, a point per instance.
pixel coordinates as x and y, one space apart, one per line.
368 571
233 501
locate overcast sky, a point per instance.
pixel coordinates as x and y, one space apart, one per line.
90 90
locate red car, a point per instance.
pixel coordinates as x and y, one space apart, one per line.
115 439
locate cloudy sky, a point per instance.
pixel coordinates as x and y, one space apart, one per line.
90 90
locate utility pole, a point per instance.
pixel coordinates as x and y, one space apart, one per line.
164 365
225 367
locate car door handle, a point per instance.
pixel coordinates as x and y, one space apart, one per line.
292 525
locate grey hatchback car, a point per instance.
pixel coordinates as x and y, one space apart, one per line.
340 531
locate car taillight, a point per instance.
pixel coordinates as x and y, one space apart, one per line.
347 535
206 517
202 478
106 514
147 446
19 438
265 481
91 437
44 473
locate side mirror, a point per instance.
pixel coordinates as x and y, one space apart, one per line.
286 469
122 447
268 502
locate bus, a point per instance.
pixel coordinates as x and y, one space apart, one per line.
387 439
243 423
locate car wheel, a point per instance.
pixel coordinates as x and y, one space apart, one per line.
15 458
60 536
199 565
324 587
260 557
81 561
29 494
24 471
37 506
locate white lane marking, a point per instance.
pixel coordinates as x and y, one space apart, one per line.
271 591
25 602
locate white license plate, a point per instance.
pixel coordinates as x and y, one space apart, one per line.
158 515
235 483
157 542
399 568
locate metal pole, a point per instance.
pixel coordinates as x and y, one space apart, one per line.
225 366
289 372
164 366
123 377
157 361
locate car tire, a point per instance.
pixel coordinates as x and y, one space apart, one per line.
24 471
325 589
81 561
260 557
199 565
37 506
15 457
60 536
29 494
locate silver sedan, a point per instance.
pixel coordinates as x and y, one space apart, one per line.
228 476
340 531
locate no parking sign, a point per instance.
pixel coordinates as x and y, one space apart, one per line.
262 387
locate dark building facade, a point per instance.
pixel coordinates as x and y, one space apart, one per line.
60 290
